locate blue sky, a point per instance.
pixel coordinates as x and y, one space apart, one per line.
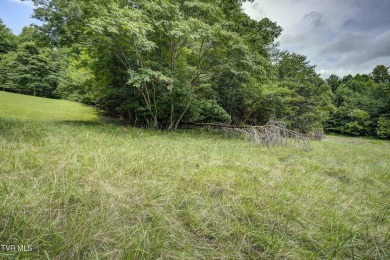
16 14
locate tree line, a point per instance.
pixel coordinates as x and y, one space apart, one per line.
158 63
362 104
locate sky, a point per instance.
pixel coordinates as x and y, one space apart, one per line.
16 14
338 36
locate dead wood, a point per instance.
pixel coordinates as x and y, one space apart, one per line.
270 134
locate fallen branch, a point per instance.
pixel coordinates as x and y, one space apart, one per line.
273 133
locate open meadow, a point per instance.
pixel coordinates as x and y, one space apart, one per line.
75 187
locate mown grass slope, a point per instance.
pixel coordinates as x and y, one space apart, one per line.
37 108
92 190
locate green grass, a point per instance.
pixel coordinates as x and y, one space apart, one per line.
36 108
93 190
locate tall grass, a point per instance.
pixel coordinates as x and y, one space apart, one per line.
76 190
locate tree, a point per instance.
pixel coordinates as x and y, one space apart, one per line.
30 69
158 63
383 128
381 74
308 103
7 44
333 81
76 79
363 104
7 39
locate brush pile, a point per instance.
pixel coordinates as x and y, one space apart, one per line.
270 134
273 133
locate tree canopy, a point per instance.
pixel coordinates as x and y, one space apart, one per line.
362 104
7 39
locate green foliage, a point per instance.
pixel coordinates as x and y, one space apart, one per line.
362 102
383 128
159 62
308 102
30 69
333 81
381 74
167 57
7 39
156 63
207 110
76 79
358 123
64 21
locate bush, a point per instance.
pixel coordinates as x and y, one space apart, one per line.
383 128
359 123
206 110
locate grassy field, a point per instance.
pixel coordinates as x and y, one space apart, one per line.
99 190
27 107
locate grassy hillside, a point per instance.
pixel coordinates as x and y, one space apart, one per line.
36 108
102 191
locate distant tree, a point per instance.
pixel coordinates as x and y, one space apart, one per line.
346 78
381 74
7 45
30 69
7 39
333 81
76 79
363 104
308 102
383 127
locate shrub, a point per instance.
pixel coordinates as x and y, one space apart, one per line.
383 128
359 123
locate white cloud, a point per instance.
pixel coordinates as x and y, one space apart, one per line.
26 2
325 73
341 37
